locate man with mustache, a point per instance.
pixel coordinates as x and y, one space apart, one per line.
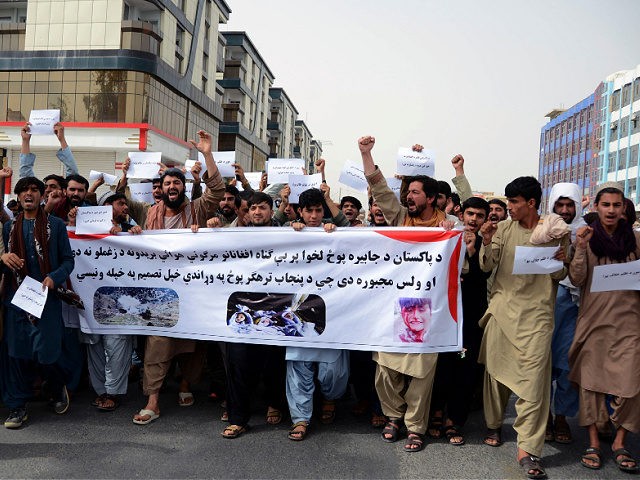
497 210
176 211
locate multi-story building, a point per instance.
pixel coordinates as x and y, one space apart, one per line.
125 74
565 148
618 132
302 143
281 124
246 81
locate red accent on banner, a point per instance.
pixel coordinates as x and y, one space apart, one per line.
142 145
454 277
93 236
417 236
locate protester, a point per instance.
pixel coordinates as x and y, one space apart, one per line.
604 357
351 207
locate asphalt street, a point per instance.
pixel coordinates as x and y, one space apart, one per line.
186 443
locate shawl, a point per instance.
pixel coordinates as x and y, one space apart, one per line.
434 221
617 246
41 235
156 214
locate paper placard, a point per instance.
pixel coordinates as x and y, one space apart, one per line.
395 184
415 163
108 178
300 183
188 165
188 190
616 276
92 220
535 260
279 169
142 192
144 164
254 179
42 121
224 161
352 175
30 297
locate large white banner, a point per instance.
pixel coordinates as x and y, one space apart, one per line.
391 289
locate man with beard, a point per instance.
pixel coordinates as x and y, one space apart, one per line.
37 246
351 207
497 210
518 325
228 209
75 193
456 374
404 380
247 362
565 215
176 211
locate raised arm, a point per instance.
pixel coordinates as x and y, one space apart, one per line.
64 154
463 187
27 159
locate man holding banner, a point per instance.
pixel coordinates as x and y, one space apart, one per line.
176 211
394 370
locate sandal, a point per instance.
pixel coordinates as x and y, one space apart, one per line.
622 457
378 421
185 399
532 467
274 416
298 431
109 403
415 442
454 435
562 432
493 438
225 416
592 458
234 431
436 422
98 400
391 431
328 412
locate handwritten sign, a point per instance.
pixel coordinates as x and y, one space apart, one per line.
188 165
144 164
279 169
616 276
415 163
108 178
142 192
274 286
395 184
42 121
93 220
300 183
254 180
352 175
224 161
30 297
535 260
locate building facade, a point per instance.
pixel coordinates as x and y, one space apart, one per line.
281 124
125 74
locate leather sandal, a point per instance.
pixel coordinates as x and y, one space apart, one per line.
298 431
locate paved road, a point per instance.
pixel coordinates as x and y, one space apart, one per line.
186 443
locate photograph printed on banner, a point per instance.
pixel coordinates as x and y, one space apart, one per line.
292 315
150 307
412 319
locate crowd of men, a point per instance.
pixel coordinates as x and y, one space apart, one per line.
559 347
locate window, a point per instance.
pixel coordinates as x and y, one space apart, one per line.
179 37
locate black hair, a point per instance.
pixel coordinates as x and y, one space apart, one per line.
429 186
350 199
455 198
173 172
78 178
476 202
497 201
611 190
445 188
260 197
311 198
112 198
236 194
525 187
26 182
59 180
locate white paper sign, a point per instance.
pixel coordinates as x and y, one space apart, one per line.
30 297
42 121
142 192
253 179
352 175
616 276
91 220
300 183
188 165
415 163
108 179
279 169
224 161
188 189
535 260
395 185
144 164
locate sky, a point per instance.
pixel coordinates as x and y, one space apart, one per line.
463 77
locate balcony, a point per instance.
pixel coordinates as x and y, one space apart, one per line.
275 126
12 36
141 36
